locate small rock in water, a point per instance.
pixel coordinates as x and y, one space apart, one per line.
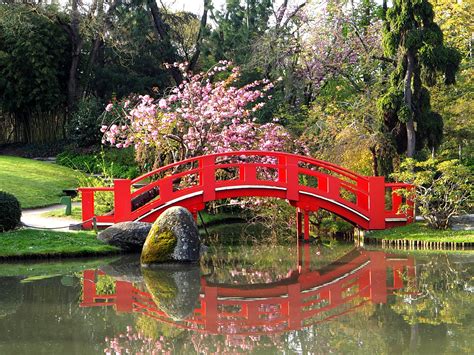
128 236
173 237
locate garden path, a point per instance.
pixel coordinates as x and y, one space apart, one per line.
33 217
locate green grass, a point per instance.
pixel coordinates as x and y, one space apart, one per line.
76 213
420 232
35 183
26 243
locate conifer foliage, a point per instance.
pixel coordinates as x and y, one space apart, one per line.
412 37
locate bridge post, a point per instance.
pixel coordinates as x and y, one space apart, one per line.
292 179
299 225
87 197
377 202
89 290
378 277
122 200
207 177
295 311
210 316
124 296
306 226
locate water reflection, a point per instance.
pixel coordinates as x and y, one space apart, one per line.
253 300
302 298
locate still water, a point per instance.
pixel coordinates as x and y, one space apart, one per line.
264 299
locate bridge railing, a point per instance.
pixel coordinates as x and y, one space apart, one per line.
398 207
207 175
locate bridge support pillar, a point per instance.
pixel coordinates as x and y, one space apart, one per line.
299 224
377 202
306 226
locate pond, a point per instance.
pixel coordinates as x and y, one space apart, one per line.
260 299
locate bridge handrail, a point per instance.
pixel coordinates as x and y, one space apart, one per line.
329 166
363 196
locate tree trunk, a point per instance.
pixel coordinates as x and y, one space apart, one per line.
202 29
97 44
375 161
169 53
407 97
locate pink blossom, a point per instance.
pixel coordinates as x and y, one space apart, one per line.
206 116
162 104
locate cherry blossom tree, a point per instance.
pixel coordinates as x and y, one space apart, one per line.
206 113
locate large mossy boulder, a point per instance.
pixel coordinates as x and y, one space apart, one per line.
174 288
174 237
128 236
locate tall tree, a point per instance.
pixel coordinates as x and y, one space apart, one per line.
412 37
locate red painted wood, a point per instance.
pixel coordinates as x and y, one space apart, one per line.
377 202
356 198
122 200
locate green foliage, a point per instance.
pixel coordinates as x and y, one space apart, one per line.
105 285
442 293
33 67
237 26
10 212
443 189
103 200
410 32
83 126
115 163
455 19
456 105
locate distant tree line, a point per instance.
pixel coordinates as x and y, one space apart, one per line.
354 77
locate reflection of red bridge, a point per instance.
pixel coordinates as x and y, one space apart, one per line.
309 184
305 298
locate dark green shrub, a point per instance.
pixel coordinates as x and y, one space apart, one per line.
83 128
10 212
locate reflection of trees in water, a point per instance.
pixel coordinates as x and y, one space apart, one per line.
11 295
440 304
442 297
261 263
443 293
355 332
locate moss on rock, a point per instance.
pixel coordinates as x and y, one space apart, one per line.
159 246
173 237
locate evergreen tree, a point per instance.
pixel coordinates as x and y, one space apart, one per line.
416 41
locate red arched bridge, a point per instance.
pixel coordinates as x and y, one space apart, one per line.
308 184
304 298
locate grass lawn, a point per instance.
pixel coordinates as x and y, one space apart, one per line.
35 183
76 213
25 243
420 232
